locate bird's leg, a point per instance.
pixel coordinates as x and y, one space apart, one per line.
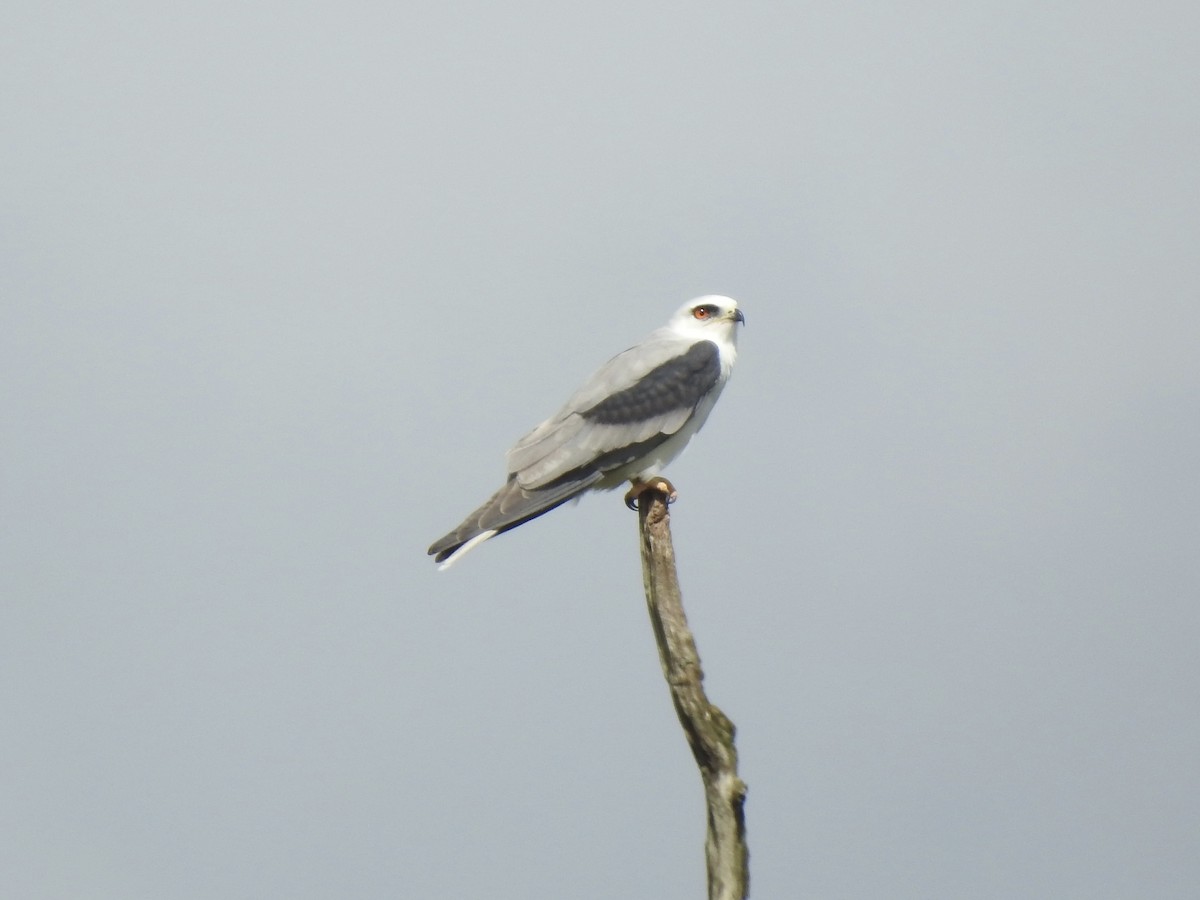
637 488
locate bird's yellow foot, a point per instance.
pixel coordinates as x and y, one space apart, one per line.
654 484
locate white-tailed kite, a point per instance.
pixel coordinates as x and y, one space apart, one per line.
628 421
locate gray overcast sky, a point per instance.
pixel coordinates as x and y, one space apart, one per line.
279 286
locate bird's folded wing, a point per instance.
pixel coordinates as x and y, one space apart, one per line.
509 507
637 399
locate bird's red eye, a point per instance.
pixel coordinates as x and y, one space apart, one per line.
704 312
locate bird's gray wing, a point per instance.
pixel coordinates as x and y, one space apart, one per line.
511 506
635 401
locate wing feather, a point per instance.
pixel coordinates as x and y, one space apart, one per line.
509 507
639 397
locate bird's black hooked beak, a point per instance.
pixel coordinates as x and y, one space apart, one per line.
738 317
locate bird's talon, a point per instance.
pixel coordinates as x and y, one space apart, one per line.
640 487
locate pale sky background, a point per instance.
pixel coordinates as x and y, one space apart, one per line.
281 283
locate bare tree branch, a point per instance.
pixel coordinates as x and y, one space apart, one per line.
709 733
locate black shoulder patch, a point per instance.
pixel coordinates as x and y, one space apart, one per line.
679 383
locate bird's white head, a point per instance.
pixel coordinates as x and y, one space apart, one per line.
712 318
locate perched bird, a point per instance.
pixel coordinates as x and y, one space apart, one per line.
628 421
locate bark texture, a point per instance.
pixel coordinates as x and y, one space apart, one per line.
709 732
